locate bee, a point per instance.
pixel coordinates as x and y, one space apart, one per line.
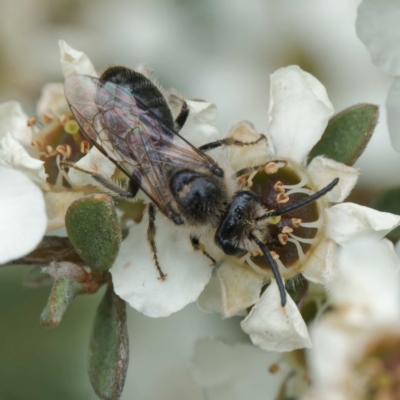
127 117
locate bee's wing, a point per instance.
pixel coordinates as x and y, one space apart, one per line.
132 136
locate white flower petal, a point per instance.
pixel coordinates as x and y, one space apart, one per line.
13 154
246 156
324 170
22 215
348 219
333 354
321 266
14 120
234 372
393 113
52 100
273 327
199 127
367 284
377 26
57 204
240 287
210 299
299 112
135 275
92 161
74 62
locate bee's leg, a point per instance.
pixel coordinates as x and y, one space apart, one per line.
106 183
151 234
229 142
199 246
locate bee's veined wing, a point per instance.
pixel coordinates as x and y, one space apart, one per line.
132 136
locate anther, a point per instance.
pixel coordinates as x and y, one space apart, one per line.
296 222
273 368
271 168
278 187
50 152
283 238
38 144
281 198
63 119
31 121
47 118
256 252
85 146
249 184
287 229
274 255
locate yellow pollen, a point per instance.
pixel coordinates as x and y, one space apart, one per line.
71 127
31 121
271 168
282 198
274 220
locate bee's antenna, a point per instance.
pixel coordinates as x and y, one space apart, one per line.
274 268
301 203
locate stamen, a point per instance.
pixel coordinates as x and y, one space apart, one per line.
306 191
271 168
300 251
278 187
250 178
61 174
315 224
303 240
274 255
303 182
283 238
296 222
85 146
47 118
31 121
63 119
287 229
38 144
282 198
273 266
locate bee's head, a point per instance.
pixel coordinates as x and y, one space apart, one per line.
239 223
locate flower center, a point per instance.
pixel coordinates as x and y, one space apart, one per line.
292 236
379 370
59 140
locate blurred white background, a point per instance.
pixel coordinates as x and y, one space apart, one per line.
219 50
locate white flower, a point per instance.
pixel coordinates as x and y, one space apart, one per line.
243 371
36 154
377 27
356 346
299 112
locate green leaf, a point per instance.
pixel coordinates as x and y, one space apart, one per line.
347 134
109 347
64 291
93 229
389 201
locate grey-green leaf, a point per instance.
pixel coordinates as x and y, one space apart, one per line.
64 291
347 134
93 229
389 201
109 347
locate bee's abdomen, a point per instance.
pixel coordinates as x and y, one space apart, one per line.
143 89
